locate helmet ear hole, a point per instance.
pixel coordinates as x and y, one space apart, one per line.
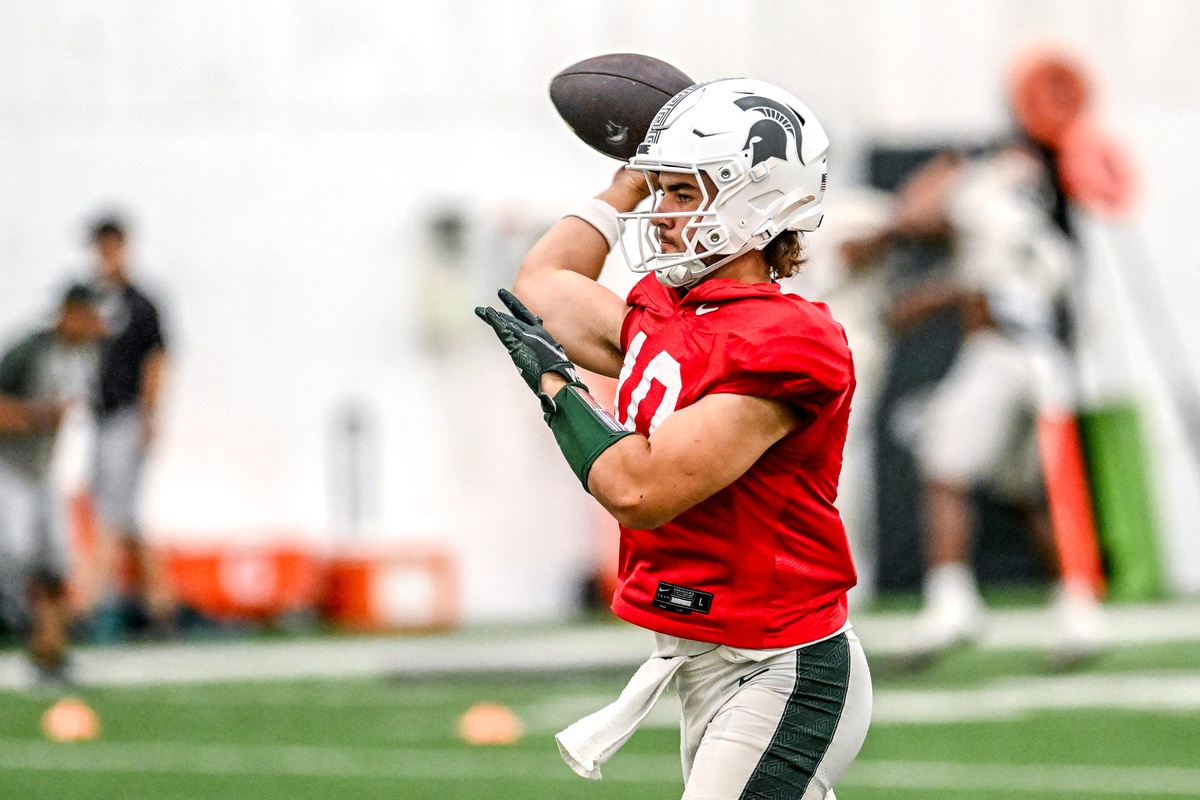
726 173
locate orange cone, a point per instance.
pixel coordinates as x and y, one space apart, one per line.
488 723
70 720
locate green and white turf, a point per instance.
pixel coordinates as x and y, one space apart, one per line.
375 717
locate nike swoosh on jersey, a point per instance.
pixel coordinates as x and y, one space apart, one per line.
751 676
703 309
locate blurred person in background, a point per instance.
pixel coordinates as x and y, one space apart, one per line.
125 407
41 377
723 460
1006 220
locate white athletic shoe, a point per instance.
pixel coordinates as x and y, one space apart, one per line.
1078 621
954 612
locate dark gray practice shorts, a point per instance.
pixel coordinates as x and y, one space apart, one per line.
119 459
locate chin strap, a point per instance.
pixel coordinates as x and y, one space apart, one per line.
582 428
682 276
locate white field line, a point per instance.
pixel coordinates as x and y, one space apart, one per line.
1031 778
476 652
268 696
1026 628
1004 699
178 758
429 655
175 758
1011 698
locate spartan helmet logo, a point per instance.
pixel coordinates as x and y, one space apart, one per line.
770 136
615 133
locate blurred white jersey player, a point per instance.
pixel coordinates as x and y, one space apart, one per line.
1009 268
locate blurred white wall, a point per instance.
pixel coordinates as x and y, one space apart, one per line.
279 160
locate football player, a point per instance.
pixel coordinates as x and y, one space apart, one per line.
978 426
721 463
42 376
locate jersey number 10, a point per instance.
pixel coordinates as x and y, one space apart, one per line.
664 369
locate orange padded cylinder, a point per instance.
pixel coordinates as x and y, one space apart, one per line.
1070 501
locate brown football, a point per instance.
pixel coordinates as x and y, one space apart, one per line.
609 101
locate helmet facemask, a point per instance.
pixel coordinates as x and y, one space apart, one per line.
707 243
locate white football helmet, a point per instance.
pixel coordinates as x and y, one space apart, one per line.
763 150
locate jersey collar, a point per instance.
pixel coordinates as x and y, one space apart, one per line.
716 289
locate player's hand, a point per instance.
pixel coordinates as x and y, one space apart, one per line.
634 181
627 190
531 347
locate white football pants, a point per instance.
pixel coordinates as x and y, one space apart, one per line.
783 727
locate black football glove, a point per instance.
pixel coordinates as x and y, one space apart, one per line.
531 347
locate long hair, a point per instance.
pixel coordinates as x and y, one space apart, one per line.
785 254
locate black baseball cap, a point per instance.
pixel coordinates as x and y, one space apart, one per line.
108 225
79 294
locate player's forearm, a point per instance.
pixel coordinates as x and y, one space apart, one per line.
13 418
624 481
619 475
581 243
617 478
18 416
571 245
917 305
152 373
646 482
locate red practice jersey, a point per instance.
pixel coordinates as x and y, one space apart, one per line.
765 561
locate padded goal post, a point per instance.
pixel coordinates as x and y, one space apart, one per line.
1123 503
1100 503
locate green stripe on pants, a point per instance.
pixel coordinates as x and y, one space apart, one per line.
807 725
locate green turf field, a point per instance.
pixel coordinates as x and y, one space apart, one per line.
977 726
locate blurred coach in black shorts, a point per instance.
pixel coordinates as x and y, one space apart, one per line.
125 408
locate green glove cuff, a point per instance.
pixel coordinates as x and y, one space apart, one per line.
582 428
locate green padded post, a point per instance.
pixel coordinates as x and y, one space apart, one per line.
1125 520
